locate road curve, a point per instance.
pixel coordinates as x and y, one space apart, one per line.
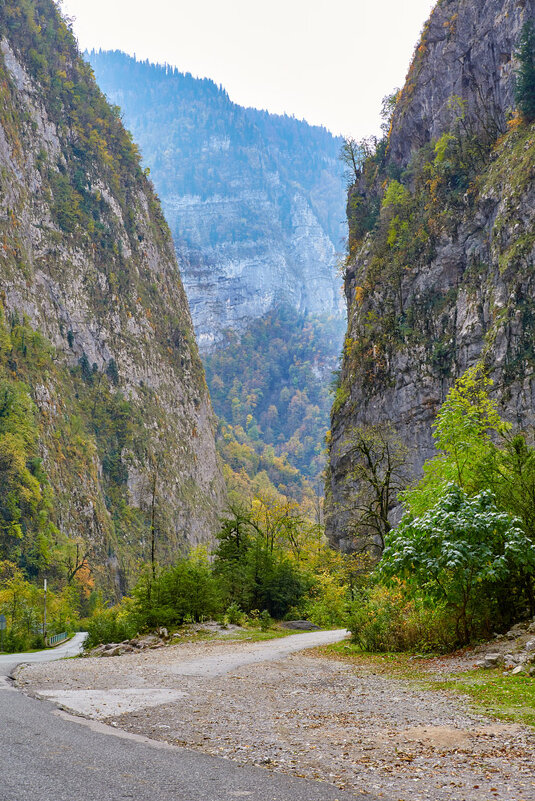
51 756
8 662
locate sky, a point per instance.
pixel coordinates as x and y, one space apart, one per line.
327 61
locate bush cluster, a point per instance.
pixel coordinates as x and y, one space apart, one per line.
461 563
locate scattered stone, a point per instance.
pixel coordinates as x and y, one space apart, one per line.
98 651
530 645
300 625
510 661
518 669
131 646
516 631
111 651
149 641
492 660
163 633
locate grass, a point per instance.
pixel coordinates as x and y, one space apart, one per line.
495 693
401 665
249 633
490 692
255 635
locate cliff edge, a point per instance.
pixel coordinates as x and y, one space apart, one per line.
442 244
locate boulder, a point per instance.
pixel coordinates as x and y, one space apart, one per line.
112 651
98 651
149 641
300 625
492 661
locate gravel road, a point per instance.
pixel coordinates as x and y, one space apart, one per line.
294 712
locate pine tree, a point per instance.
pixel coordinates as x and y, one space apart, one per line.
525 74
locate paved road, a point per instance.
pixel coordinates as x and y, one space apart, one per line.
46 755
8 662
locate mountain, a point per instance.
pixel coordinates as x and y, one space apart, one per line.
106 427
440 272
254 201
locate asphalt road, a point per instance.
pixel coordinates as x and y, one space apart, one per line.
8 662
46 755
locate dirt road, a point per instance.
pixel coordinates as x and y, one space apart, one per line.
268 704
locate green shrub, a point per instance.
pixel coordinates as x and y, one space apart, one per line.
265 620
109 626
388 619
185 592
234 614
460 554
328 604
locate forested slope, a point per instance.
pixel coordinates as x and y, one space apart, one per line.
105 419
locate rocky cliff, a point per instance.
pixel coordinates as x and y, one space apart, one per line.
90 282
442 243
254 200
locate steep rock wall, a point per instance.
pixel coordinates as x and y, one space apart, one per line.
88 260
443 276
254 200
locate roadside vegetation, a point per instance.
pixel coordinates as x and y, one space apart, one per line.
460 564
268 564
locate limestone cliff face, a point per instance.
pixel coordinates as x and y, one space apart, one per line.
465 56
236 280
88 259
254 200
442 232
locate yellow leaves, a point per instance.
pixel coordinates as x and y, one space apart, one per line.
359 295
514 122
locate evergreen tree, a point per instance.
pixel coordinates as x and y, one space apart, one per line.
525 75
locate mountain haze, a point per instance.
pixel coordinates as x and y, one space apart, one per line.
255 203
254 200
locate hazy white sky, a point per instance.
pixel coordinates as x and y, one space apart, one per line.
327 61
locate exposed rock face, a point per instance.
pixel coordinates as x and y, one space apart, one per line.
446 276
88 258
254 200
235 281
466 54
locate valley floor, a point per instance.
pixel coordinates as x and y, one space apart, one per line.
302 713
